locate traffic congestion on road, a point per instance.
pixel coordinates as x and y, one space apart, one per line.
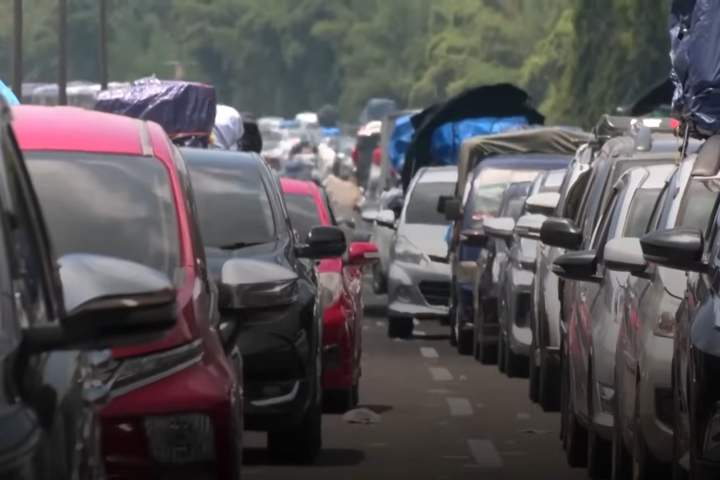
456 292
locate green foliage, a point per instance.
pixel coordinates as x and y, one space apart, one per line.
577 58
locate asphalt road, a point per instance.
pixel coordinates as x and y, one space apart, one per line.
440 417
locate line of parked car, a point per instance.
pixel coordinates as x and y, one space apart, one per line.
157 301
586 262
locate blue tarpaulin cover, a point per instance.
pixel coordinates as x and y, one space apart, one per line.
401 137
695 53
330 132
8 94
180 107
447 138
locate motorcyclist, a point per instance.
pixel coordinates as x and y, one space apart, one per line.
343 193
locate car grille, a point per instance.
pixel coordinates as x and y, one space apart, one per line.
436 293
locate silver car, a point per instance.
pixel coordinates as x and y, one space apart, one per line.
594 324
419 274
643 401
384 219
545 354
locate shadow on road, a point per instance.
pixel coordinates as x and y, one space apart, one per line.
329 457
434 337
375 311
379 409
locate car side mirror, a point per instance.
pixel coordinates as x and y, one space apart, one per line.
363 253
501 228
528 226
442 201
323 242
248 285
474 238
107 303
369 215
542 203
453 210
386 218
580 266
561 233
676 248
625 255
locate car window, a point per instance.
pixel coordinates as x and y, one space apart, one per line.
487 199
640 211
657 211
303 213
115 205
696 206
233 205
604 224
422 205
592 207
514 207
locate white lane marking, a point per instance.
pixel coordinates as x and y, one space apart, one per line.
429 352
380 324
441 374
485 453
419 333
459 407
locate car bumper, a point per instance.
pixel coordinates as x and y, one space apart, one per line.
656 396
192 419
419 291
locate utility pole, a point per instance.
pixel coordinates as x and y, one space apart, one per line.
17 62
62 61
103 45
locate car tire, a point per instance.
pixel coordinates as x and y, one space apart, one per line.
451 324
464 337
516 366
575 437
644 465
621 466
400 327
534 374
599 450
549 383
301 444
501 354
379 280
678 472
340 401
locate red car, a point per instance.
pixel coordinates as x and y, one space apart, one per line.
117 186
341 280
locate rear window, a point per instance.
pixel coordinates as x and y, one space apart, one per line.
552 182
303 213
233 205
514 207
422 204
113 205
490 186
641 209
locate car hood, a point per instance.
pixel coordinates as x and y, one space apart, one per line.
429 239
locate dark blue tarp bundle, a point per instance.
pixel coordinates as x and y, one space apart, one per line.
181 108
399 140
695 52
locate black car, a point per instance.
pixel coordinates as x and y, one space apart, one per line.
696 352
54 312
243 214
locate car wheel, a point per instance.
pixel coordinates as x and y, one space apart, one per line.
621 466
575 437
501 354
400 327
453 330
379 281
339 401
301 444
564 395
678 472
549 383
534 383
464 336
516 366
599 450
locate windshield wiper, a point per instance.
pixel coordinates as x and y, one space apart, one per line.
238 245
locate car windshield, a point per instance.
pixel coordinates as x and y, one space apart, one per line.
514 207
487 199
423 202
641 208
698 214
113 205
233 205
303 213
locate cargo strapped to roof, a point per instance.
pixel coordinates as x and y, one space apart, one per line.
612 126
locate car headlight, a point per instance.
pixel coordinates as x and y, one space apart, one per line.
331 284
408 253
137 372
